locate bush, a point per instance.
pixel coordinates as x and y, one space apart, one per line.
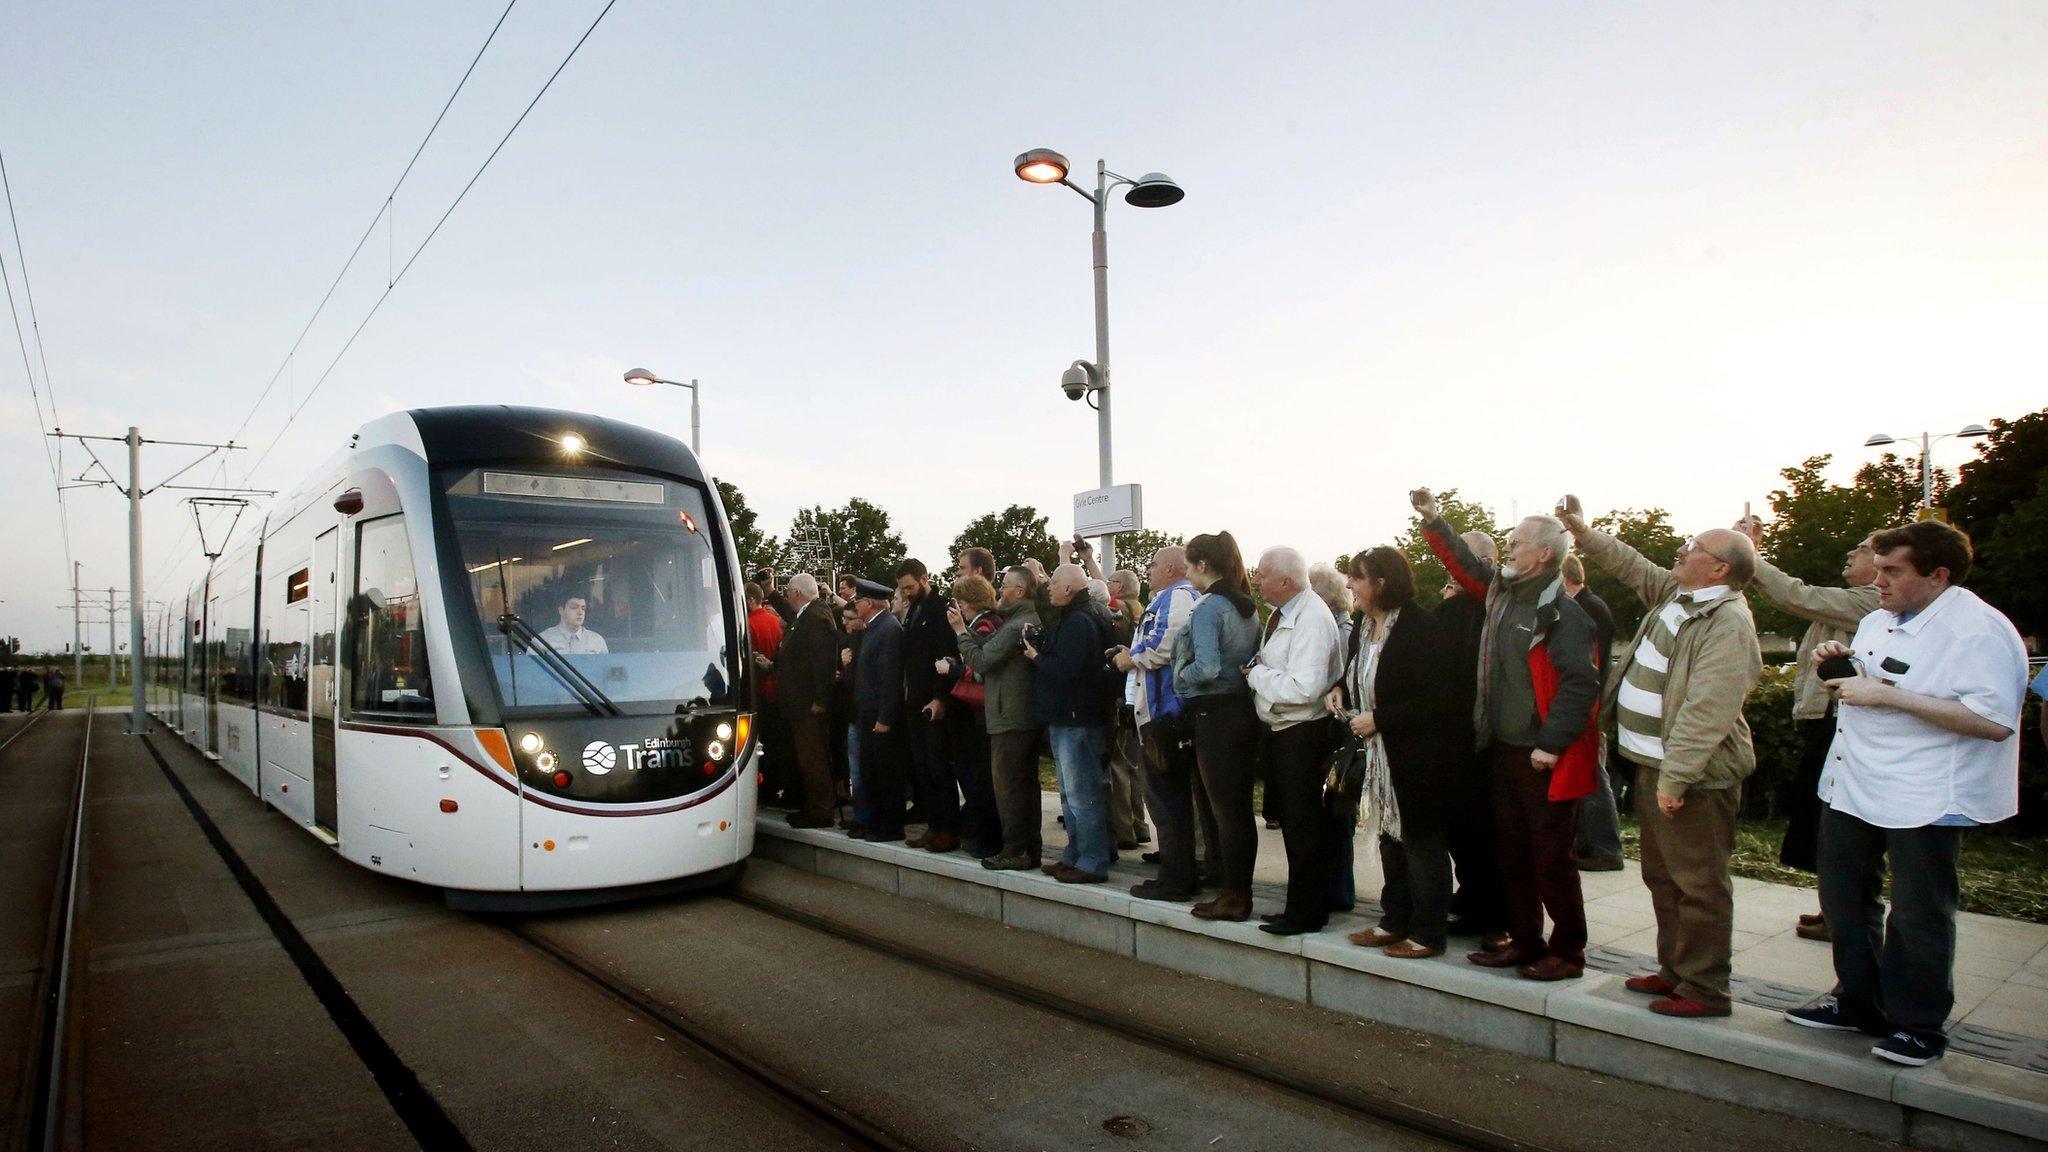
1776 737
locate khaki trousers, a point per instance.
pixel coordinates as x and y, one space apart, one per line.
813 747
1685 866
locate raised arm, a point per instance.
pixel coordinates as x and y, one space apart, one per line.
1842 608
1624 563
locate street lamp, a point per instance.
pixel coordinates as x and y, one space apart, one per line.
642 377
1927 442
1152 190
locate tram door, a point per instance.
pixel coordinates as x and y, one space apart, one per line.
321 682
212 647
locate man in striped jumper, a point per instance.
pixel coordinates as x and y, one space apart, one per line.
1676 699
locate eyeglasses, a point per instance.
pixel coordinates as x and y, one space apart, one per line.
1694 545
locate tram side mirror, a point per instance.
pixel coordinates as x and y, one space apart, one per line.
350 502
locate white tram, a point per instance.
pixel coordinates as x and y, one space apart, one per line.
497 650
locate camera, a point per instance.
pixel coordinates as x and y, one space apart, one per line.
1032 633
1075 381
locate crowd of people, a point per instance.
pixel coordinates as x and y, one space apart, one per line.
18 688
1485 746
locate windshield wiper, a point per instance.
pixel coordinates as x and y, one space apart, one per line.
586 693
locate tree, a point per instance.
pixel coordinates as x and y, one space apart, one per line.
1463 516
1899 481
1015 534
1134 549
863 543
1813 524
755 549
2001 500
1648 531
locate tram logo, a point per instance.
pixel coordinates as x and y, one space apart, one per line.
600 758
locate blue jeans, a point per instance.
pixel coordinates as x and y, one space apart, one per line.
1084 796
855 784
1599 829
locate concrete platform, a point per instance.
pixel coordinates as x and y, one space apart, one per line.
1753 1058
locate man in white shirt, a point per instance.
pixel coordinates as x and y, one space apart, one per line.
1924 749
1295 667
570 637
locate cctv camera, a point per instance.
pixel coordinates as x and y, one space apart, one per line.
1075 380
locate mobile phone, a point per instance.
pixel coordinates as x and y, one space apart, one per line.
1840 667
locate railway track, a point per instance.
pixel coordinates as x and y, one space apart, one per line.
43 1094
833 1120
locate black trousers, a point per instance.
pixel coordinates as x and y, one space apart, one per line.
932 787
1800 801
1226 752
981 825
1170 783
1295 764
1481 900
1895 972
885 773
1416 898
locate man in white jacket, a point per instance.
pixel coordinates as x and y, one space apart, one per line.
1296 665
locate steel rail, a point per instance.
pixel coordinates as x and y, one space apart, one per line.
1344 1098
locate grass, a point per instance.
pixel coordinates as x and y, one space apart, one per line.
2001 875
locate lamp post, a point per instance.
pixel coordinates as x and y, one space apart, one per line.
642 377
1152 190
1927 443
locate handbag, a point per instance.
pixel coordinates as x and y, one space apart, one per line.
969 691
1344 775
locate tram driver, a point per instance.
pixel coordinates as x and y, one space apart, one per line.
570 637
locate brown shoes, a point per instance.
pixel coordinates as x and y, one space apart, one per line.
1651 985
1374 938
1410 950
1052 869
1230 904
940 842
1496 943
1509 957
1813 931
1552 968
920 840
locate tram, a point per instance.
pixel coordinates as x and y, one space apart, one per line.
497 650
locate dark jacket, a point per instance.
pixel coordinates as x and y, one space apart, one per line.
808 659
878 673
1603 626
998 658
1461 622
1561 668
1415 707
927 639
1067 685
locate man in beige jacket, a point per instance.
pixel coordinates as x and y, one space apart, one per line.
1676 701
1831 614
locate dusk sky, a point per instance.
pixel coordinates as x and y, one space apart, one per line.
1649 253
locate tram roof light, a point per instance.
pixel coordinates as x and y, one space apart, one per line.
572 444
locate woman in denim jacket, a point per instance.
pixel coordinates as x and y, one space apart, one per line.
1209 659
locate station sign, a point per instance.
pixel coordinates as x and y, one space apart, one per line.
1109 511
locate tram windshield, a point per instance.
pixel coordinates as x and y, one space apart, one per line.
594 591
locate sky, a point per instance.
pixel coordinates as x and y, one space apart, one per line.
1647 253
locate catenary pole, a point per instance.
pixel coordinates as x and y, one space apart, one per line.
138 710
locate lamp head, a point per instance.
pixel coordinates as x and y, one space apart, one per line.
640 376
1154 190
1878 440
1974 430
1042 166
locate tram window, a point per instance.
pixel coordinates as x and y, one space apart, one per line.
386 648
283 650
298 586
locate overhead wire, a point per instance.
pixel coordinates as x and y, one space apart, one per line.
431 233
52 455
383 209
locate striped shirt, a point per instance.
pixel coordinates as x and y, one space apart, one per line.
1639 704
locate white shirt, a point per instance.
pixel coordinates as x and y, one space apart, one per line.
1895 770
581 642
1298 664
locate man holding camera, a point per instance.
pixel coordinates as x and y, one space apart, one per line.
1165 733
1071 697
1676 698
1930 691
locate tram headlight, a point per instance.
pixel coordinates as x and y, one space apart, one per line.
531 743
715 749
545 762
724 731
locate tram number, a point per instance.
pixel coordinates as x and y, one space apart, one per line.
600 758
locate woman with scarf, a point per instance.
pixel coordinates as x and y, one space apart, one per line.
1395 697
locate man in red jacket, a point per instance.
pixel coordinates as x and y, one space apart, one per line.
1533 721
